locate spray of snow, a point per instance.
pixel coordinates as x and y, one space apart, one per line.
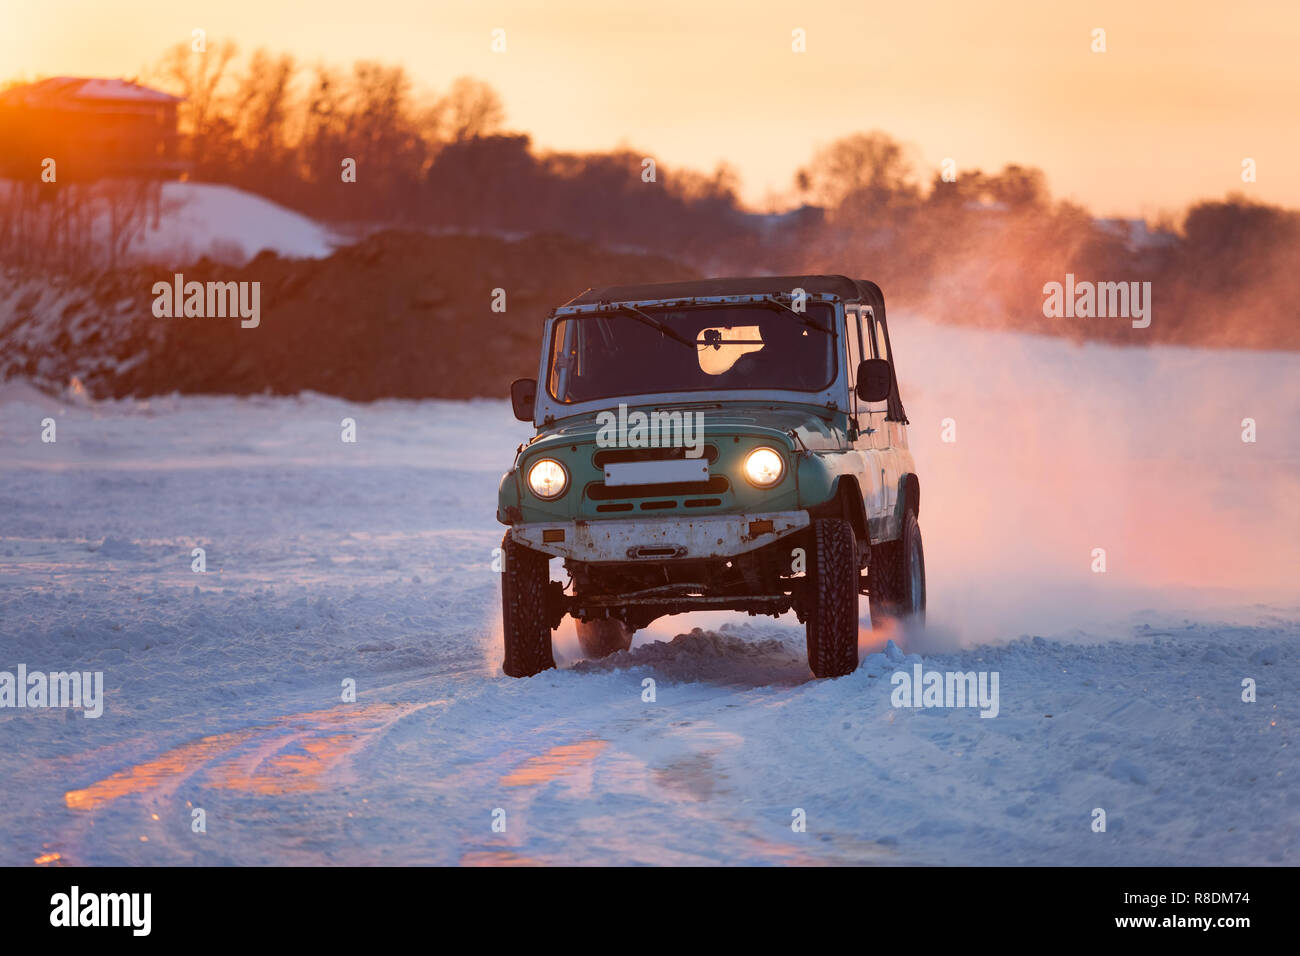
1062 449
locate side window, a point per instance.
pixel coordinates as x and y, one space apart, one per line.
853 336
881 349
878 348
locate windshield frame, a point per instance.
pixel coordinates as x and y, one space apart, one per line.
834 395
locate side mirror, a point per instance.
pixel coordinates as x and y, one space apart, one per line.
523 396
875 380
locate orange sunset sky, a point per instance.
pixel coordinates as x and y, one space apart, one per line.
1184 92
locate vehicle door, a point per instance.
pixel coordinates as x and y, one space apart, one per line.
865 445
888 438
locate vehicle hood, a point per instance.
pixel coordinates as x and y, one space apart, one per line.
815 427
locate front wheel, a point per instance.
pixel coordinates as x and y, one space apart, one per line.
525 579
896 579
832 617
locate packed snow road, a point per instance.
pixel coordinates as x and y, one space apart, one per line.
328 563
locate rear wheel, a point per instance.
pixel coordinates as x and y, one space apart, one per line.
832 616
525 580
896 580
603 636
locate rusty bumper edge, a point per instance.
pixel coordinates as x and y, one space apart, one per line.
660 539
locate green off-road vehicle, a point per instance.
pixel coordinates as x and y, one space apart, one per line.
716 444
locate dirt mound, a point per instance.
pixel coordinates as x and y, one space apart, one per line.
398 315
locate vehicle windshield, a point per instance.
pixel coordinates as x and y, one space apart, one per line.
617 353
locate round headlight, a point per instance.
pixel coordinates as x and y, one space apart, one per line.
547 478
764 467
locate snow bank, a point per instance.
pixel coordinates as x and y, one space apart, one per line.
227 225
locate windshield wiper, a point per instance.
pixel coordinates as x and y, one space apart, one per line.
773 302
647 319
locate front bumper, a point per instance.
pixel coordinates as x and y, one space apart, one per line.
659 539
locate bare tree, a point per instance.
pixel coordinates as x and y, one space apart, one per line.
472 109
197 78
859 173
263 102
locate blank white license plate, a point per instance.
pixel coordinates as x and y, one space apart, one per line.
656 472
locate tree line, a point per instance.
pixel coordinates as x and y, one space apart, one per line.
964 245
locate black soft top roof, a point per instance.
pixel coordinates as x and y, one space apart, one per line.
844 288
854 291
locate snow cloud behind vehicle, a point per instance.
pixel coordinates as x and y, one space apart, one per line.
1038 452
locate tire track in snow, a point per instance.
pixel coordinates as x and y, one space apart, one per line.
287 755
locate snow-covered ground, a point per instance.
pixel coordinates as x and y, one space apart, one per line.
372 562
